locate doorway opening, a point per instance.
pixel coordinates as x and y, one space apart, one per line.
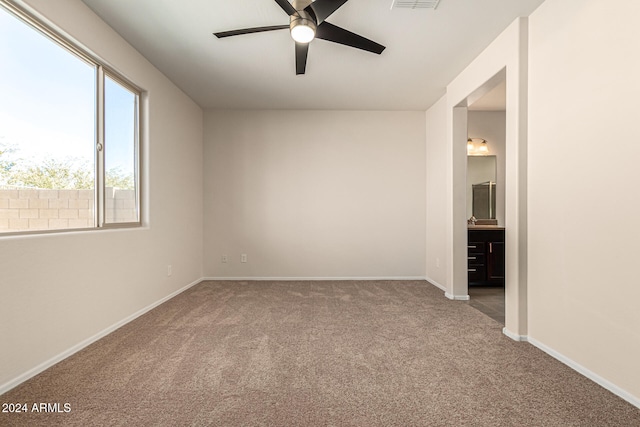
486 185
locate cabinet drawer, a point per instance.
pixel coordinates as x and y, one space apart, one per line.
476 274
475 247
474 259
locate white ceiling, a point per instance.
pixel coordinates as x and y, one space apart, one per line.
426 49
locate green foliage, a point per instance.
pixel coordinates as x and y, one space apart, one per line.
52 174
117 179
6 164
58 175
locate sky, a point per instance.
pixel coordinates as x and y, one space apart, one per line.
47 102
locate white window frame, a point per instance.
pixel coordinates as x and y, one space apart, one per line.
102 70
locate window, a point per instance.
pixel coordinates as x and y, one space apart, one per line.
120 142
69 134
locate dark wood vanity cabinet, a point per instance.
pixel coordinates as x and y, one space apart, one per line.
485 256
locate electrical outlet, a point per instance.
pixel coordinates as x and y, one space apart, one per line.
438 262
169 270
243 258
225 259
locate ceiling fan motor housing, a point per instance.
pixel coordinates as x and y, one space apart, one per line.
301 4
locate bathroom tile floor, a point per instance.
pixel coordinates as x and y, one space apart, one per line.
488 300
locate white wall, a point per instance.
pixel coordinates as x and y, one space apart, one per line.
60 290
491 126
314 194
583 249
436 245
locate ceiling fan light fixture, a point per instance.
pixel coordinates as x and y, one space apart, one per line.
303 30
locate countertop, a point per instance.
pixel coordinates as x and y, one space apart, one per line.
485 227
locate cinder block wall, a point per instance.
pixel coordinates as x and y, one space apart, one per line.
37 209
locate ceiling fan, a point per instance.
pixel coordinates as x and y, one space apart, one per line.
307 22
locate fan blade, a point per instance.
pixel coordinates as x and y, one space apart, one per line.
302 49
287 7
332 33
249 31
322 9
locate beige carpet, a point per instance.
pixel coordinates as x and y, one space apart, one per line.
315 354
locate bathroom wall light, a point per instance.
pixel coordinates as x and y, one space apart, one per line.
477 147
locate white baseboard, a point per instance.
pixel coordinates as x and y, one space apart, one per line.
58 358
302 279
634 400
436 284
457 297
514 336
446 293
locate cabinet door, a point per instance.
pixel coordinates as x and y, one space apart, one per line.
495 262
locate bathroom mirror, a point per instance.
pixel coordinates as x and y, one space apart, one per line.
481 187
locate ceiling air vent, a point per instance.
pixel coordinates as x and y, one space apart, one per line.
414 4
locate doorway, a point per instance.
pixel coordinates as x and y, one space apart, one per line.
515 233
486 184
